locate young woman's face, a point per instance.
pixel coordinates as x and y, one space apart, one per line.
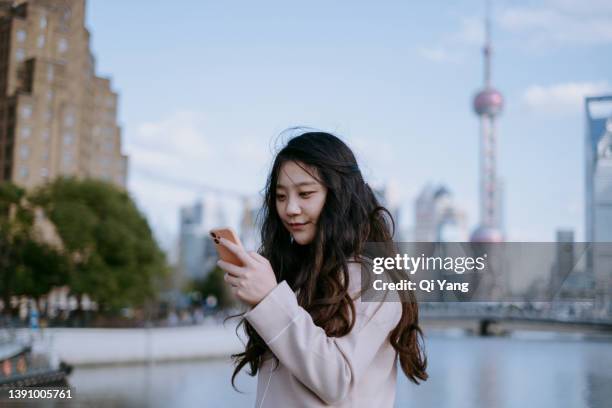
299 201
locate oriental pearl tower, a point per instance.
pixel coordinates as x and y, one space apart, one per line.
488 104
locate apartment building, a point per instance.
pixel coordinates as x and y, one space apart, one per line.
57 118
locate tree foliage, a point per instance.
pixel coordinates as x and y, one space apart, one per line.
215 285
110 250
27 266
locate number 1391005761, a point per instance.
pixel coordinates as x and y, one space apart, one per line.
39 393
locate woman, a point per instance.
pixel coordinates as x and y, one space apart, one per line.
310 337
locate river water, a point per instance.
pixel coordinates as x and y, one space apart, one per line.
528 371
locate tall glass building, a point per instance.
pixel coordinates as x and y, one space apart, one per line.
598 190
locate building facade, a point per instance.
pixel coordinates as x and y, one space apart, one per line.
197 253
598 190
57 118
437 218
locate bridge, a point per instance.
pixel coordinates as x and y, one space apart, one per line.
498 319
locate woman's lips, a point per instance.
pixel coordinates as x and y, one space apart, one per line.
297 226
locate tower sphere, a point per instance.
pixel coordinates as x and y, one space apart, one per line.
487 235
489 101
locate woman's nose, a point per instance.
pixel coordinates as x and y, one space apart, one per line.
293 208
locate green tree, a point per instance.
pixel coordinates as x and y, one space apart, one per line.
113 255
215 285
27 265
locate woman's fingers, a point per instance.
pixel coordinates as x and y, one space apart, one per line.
236 250
232 280
230 268
258 257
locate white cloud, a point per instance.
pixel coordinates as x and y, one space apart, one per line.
435 54
582 7
471 32
558 23
565 98
177 135
183 156
454 46
549 24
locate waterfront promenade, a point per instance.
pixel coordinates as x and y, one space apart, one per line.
102 346
82 347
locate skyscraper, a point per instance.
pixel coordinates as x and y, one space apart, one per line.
56 116
250 223
437 218
197 253
598 151
488 104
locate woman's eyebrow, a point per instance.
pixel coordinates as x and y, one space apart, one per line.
303 183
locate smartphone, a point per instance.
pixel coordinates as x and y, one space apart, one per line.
224 253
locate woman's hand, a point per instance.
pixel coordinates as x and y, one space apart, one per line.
251 282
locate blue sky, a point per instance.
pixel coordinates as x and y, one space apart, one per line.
205 88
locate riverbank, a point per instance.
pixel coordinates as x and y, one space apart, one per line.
92 347
95 347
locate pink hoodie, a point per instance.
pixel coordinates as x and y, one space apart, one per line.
314 370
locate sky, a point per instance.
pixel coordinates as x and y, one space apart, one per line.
205 88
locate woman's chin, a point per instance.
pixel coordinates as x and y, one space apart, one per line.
302 239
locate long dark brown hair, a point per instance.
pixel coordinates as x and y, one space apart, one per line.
318 272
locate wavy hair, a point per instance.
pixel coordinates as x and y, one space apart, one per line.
318 272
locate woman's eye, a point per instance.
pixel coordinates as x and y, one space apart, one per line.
306 194
280 197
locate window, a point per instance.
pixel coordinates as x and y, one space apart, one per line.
45 134
69 119
49 95
44 172
50 73
68 139
45 155
24 152
42 23
40 42
21 35
62 45
26 111
23 171
26 132
49 115
66 16
67 160
19 54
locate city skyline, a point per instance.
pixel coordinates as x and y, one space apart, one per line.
394 80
